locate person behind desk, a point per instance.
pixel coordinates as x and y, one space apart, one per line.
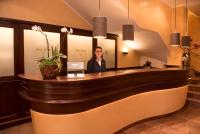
96 63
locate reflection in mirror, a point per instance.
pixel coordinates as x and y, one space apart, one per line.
79 49
6 51
108 47
35 48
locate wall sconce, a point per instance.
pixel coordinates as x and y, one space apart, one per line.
125 50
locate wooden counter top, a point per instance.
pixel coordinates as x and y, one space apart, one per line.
94 76
71 95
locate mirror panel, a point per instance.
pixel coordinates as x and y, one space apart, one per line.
35 47
108 46
6 51
79 49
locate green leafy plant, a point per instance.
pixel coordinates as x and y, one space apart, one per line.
55 60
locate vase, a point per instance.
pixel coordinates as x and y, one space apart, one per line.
186 59
49 72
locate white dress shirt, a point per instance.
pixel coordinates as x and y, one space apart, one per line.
99 61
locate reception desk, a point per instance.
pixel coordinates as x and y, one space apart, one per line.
103 103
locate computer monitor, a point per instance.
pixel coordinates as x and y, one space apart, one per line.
75 68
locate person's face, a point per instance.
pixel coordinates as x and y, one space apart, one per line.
98 53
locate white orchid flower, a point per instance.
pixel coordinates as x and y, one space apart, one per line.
36 28
71 31
65 30
39 29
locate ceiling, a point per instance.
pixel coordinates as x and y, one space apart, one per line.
147 42
194 5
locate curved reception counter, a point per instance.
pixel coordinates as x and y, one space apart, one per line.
103 103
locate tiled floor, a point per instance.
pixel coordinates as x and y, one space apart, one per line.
21 129
186 121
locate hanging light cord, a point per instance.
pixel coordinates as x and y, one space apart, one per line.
175 16
99 8
128 11
186 14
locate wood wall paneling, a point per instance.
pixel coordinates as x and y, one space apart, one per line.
14 109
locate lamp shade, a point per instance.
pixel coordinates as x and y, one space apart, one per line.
99 27
186 40
175 39
128 32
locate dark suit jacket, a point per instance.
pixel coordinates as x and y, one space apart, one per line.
94 67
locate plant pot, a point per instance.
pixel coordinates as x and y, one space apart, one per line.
49 72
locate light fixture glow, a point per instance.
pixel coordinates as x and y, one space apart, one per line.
144 4
99 25
125 50
132 44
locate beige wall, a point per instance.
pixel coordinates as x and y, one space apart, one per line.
157 16
194 26
194 31
153 15
127 60
45 11
176 52
58 13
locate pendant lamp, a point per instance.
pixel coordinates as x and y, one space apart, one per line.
175 37
186 39
128 30
99 25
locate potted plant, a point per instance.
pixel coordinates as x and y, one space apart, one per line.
186 59
50 66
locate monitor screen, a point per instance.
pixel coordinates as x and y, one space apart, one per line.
75 66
